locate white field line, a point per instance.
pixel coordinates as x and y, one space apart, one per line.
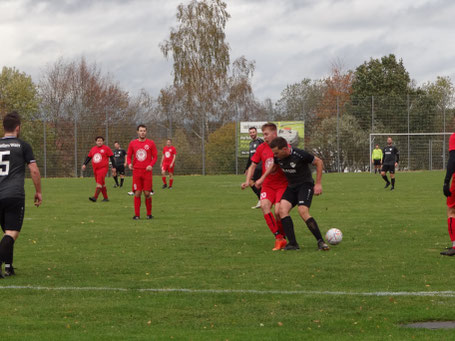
239 291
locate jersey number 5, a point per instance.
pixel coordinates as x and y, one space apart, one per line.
4 162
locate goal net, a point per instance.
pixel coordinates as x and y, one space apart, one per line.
418 151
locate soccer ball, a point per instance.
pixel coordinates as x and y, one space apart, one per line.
334 236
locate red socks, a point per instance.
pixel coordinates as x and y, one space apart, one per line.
271 223
97 192
137 206
280 228
148 205
171 181
164 180
451 225
104 191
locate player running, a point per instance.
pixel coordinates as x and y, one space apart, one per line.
119 165
449 192
301 187
389 162
273 184
14 155
168 162
100 155
141 158
255 142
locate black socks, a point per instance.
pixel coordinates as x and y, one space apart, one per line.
288 227
314 228
6 249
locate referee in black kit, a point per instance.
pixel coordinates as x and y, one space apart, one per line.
15 154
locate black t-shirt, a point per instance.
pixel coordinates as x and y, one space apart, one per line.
296 167
391 155
15 154
119 157
253 146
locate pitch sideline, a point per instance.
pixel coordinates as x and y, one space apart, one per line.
239 291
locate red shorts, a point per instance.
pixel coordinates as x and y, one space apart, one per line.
167 168
273 194
100 174
142 180
451 199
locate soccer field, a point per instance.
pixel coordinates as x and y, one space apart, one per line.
203 268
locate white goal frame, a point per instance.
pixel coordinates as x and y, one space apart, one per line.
372 135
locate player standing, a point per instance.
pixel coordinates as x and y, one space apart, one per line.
141 158
168 162
255 142
376 158
273 184
14 155
100 155
294 163
389 162
119 165
449 192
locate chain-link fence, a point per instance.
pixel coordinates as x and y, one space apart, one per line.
342 136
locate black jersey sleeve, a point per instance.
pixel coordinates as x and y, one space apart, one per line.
450 167
28 153
305 156
87 160
112 160
397 153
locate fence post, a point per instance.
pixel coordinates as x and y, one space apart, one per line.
444 130
203 144
236 145
44 147
75 145
409 137
338 135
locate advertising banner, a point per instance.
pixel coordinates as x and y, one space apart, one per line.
292 131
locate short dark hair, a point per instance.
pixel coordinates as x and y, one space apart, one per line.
99 137
141 126
11 121
169 140
251 128
278 142
269 125
116 142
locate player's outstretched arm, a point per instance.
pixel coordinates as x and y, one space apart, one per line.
36 178
319 167
249 175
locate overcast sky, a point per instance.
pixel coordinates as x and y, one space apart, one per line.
288 39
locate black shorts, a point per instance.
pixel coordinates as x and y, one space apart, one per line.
257 173
120 169
388 168
377 162
301 195
12 213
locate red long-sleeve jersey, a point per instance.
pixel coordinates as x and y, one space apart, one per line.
142 153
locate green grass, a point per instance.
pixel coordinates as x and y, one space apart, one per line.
205 236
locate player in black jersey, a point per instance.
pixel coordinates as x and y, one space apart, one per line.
15 154
390 159
301 187
255 142
120 164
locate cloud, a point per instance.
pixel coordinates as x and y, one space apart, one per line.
289 39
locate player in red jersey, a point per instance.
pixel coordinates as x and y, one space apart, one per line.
449 192
273 185
168 162
100 155
141 157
